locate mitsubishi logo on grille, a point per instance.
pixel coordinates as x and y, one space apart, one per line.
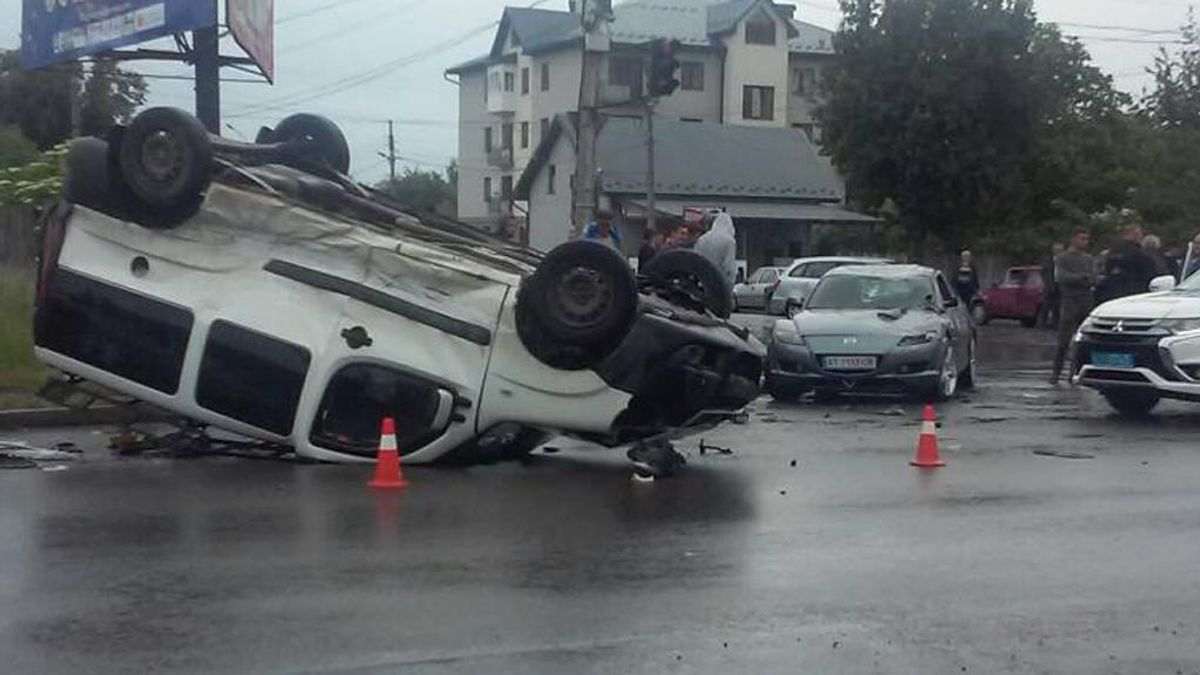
849 340
1120 327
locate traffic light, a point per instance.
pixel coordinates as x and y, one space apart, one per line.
663 66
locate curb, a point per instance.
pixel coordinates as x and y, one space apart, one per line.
70 417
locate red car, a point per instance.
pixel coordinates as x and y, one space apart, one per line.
1020 296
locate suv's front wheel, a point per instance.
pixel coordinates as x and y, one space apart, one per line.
1132 402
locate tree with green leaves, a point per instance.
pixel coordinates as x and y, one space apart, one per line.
972 118
426 190
39 101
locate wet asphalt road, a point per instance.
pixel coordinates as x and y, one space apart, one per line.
1058 540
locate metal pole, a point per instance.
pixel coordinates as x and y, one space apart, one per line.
651 211
595 44
205 43
392 151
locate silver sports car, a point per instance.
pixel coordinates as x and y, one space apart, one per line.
875 329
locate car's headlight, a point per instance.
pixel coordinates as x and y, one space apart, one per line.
920 339
1180 325
787 333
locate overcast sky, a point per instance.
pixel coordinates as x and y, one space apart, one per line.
409 44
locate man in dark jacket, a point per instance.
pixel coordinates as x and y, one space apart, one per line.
1075 272
1127 270
966 279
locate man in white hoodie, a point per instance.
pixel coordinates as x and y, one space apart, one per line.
719 245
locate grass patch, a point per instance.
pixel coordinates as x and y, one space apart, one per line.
20 374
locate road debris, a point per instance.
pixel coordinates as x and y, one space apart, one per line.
1063 454
704 448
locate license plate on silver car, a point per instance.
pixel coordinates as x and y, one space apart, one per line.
849 362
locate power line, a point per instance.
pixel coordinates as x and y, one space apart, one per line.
344 29
369 75
337 4
1128 29
1124 40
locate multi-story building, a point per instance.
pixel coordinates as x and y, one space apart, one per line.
743 62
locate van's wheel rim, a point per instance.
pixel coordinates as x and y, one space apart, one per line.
582 297
948 378
162 157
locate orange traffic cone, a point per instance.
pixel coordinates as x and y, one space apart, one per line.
387 462
927 448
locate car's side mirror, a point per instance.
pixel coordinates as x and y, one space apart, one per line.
1164 283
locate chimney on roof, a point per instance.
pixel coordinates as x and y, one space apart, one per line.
787 10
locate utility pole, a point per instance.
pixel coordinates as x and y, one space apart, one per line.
651 211
76 98
594 17
206 46
392 151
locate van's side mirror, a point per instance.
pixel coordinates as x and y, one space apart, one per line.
1164 283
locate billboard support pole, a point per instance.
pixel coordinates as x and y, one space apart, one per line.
206 45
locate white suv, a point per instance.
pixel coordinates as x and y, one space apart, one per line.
255 288
1144 348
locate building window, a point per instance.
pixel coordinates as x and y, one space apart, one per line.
508 81
544 129
545 77
524 81
626 71
551 176
760 29
494 81
506 136
524 135
758 103
696 120
506 188
487 139
487 190
691 76
804 81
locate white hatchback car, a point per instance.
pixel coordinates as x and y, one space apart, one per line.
254 288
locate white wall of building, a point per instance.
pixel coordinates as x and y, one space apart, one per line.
472 160
702 105
802 109
550 214
756 65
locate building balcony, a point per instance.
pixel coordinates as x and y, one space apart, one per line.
501 158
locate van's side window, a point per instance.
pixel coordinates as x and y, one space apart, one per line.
252 377
360 395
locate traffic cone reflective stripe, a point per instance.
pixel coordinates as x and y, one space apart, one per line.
927 447
388 473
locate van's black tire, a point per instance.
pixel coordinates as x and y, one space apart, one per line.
322 138
577 306
166 159
694 272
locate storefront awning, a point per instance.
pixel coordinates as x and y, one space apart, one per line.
762 210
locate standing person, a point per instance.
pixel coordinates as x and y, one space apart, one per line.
966 279
1192 259
1050 303
603 230
1127 270
1163 265
651 242
1075 272
719 245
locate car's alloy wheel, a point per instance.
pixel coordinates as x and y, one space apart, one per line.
948 377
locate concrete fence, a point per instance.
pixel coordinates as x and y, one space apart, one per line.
18 236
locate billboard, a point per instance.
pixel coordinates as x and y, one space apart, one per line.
252 23
53 31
